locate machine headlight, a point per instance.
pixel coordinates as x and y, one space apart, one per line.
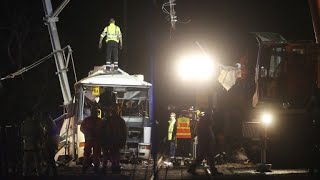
266 118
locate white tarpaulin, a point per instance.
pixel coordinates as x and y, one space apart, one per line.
228 76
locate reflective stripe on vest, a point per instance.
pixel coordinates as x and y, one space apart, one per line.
113 33
183 128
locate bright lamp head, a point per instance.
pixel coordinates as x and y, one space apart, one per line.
199 67
266 118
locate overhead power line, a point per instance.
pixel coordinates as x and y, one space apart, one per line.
40 61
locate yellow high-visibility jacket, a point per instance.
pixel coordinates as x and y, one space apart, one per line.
172 122
112 32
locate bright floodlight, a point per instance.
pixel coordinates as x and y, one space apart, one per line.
266 118
199 67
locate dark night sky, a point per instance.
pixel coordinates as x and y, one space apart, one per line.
219 25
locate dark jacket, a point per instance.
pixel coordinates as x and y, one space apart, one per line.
205 132
51 134
89 127
32 134
114 132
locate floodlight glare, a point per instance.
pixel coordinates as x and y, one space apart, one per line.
266 118
196 67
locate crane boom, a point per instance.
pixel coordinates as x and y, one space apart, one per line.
51 19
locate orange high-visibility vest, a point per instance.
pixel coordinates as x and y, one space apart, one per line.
183 128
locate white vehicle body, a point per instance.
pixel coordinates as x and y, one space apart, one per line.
132 91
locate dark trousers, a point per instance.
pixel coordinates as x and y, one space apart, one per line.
88 148
112 51
172 144
183 147
4 163
51 164
112 154
31 157
205 152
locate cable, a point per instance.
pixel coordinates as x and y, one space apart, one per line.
25 69
35 64
73 66
171 15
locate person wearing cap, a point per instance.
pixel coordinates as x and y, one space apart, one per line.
113 40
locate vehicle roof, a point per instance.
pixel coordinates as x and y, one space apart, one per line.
115 78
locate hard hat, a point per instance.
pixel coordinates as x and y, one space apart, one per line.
172 114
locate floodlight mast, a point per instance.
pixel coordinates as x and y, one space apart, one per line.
51 18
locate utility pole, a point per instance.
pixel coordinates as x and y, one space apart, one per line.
125 35
51 18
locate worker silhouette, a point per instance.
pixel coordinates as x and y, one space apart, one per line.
89 128
205 144
183 136
113 135
51 144
31 132
113 41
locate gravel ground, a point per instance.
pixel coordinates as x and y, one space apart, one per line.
229 170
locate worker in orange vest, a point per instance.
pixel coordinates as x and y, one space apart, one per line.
183 135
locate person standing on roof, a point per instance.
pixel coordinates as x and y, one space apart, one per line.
113 40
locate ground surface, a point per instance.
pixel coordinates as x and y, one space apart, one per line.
229 170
